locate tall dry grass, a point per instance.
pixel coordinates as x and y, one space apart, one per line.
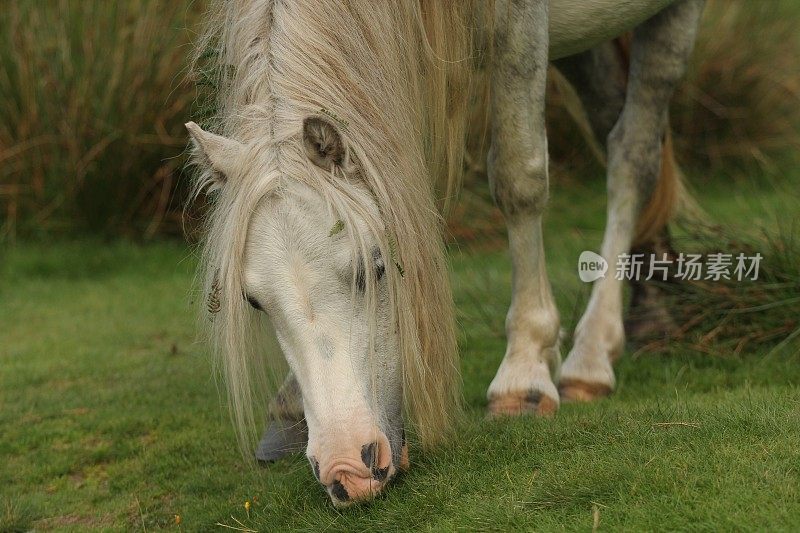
735 116
740 105
732 316
93 96
92 101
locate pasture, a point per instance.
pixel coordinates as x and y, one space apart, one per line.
111 419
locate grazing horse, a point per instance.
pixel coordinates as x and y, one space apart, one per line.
340 124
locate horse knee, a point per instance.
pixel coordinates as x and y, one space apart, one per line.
519 185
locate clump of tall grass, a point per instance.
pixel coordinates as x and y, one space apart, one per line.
741 101
15 516
738 107
94 96
731 316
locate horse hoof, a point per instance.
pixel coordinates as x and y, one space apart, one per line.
281 438
522 403
576 390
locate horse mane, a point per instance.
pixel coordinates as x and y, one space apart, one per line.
395 77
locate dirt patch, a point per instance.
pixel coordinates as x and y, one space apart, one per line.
58 522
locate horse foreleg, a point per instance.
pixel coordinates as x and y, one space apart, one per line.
659 53
517 166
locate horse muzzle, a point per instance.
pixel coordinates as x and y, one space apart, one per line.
360 467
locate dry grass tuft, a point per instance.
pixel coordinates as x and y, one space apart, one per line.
94 98
731 317
739 106
741 101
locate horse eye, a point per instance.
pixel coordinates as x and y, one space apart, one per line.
380 268
378 265
253 302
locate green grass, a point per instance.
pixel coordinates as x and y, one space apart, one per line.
110 417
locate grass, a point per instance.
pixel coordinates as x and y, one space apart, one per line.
110 418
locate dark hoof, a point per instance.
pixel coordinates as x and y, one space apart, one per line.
281 438
643 330
649 318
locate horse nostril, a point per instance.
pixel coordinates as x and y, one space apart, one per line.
339 492
369 455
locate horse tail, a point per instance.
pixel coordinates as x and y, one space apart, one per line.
667 196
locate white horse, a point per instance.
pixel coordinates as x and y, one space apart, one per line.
339 124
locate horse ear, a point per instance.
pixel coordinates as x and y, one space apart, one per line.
324 145
221 153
